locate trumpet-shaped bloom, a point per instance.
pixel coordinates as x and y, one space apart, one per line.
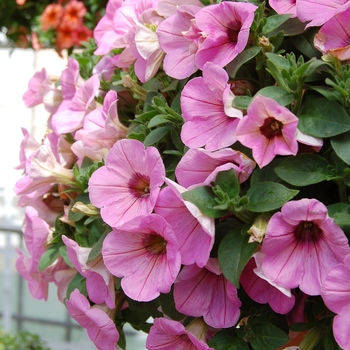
167 334
226 27
206 104
194 231
268 129
99 282
99 326
334 36
144 253
71 117
261 290
284 6
197 164
335 292
302 243
205 292
179 37
129 183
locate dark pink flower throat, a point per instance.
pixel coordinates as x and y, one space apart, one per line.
155 244
308 231
140 185
271 128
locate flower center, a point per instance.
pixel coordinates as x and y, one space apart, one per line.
271 128
139 184
155 244
233 31
308 231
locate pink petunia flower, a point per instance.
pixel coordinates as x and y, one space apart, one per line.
99 282
334 36
179 37
99 325
268 129
197 164
206 104
28 146
260 290
144 253
302 243
318 12
194 231
205 292
70 116
284 6
226 27
335 292
129 183
167 334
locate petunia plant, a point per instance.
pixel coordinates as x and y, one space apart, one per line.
194 178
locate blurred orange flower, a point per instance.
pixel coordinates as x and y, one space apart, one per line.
51 16
74 12
64 38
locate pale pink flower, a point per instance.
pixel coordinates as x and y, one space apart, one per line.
335 292
206 104
104 34
38 85
105 67
302 243
129 183
100 327
284 6
318 12
70 79
197 164
44 172
205 292
100 131
167 8
334 36
179 38
62 278
144 253
70 116
194 231
145 47
268 129
167 334
99 282
226 26
28 146
259 288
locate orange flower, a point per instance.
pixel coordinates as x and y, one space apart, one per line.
81 34
64 38
74 12
51 16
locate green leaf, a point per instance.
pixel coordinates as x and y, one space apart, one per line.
204 199
63 253
156 135
243 57
49 256
267 173
267 336
303 169
228 182
320 117
76 216
97 248
278 94
157 120
340 212
227 340
267 196
241 102
234 252
78 282
273 22
341 146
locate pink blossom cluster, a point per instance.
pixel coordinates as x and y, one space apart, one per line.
153 241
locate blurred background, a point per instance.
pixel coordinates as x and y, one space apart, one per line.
19 61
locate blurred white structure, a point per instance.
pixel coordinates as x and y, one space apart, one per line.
18 310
